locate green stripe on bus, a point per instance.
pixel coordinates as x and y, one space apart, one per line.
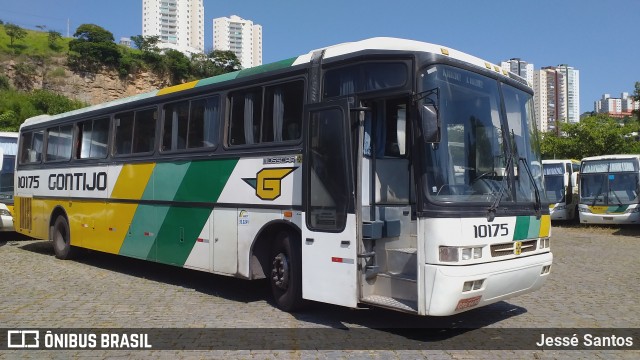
617 209
534 228
267 67
179 233
166 180
205 180
218 79
522 228
141 237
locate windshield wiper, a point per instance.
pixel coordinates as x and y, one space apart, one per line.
491 214
537 206
616 196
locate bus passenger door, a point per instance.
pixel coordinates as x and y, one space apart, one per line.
329 243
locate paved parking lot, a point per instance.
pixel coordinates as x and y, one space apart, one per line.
594 284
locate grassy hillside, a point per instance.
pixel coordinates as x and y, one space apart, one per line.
35 43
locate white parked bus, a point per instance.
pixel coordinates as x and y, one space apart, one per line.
609 187
9 148
332 174
561 185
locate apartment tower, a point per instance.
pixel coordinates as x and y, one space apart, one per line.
242 37
178 23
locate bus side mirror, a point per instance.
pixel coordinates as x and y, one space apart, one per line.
574 180
430 121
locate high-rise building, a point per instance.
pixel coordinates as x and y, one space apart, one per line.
519 67
557 96
572 91
242 37
617 107
178 23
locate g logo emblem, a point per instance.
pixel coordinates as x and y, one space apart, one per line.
518 248
268 182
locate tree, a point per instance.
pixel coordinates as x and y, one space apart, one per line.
178 65
225 60
593 135
215 63
14 32
636 98
146 43
92 48
53 38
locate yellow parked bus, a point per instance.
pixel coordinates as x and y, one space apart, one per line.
609 187
561 184
385 172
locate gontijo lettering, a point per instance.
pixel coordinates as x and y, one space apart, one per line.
78 181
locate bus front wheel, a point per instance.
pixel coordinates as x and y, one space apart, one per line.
286 271
62 239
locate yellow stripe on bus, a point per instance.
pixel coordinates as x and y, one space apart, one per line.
172 89
545 226
101 226
132 181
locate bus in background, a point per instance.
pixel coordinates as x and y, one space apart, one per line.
609 186
561 185
9 147
331 174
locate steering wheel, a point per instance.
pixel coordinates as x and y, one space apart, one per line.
488 173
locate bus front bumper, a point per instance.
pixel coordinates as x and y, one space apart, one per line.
499 281
614 219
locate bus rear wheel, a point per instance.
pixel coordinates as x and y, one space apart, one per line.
61 238
286 272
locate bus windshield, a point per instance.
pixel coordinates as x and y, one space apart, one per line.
609 182
488 151
554 182
9 145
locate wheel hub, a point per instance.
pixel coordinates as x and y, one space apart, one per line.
280 271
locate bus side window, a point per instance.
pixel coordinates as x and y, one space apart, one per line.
31 147
244 122
124 133
59 143
203 123
282 120
174 130
144 131
93 136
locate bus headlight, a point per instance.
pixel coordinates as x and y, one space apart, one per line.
471 253
4 212
454 254
448 254
634 210
560 207
584 210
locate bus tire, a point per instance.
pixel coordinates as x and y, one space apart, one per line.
61 238
286 271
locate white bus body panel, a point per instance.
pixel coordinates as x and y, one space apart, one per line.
329 265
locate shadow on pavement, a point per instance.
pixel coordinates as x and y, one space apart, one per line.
402 325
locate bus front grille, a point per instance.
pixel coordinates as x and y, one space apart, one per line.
25 213
509 248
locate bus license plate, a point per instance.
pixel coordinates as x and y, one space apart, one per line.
467 303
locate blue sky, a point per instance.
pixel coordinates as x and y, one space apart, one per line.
599 38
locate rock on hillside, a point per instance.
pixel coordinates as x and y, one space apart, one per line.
90 88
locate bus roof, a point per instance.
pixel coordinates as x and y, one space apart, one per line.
612 157
378 43
8 134
560 161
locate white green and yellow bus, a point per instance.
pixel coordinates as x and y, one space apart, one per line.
8 150
383 172
609 187
561 185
